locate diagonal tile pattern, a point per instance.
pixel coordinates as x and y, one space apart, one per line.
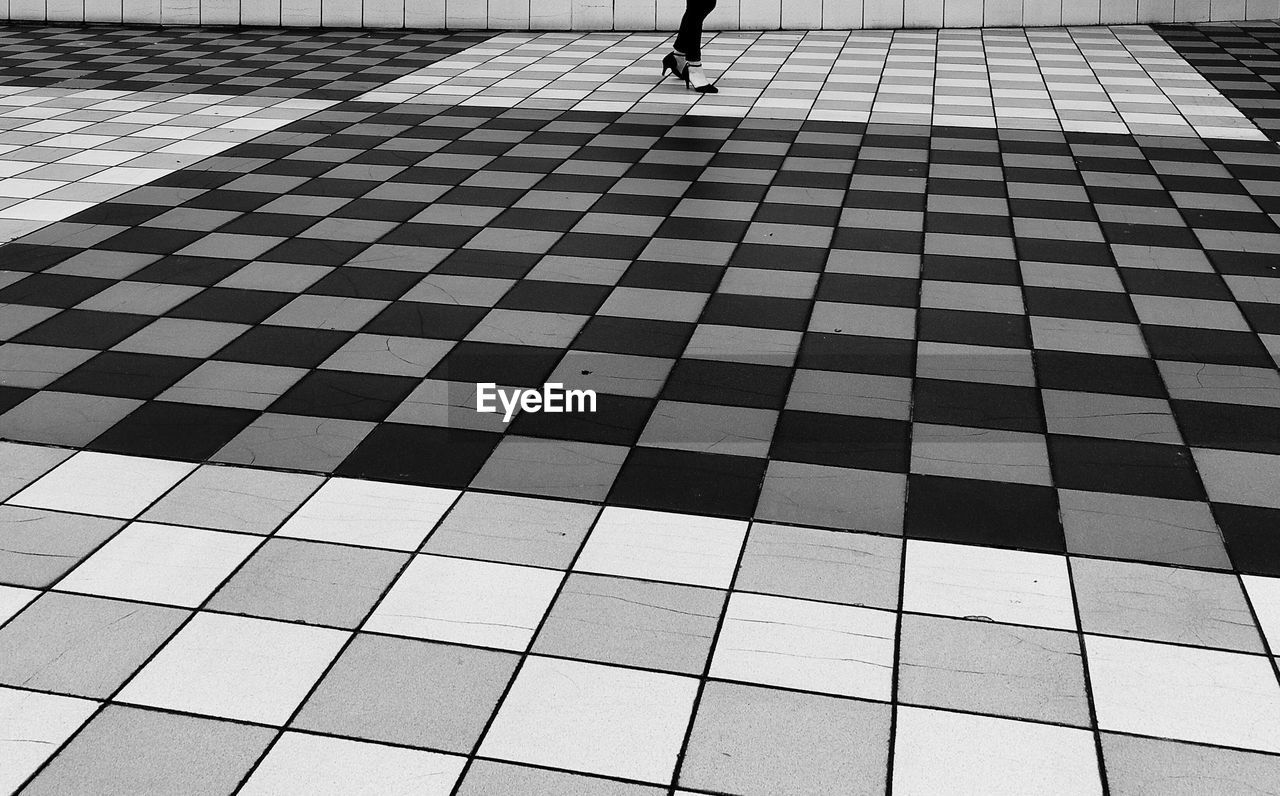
329 65
592 665
1241 61
1113 80
66 150
936 418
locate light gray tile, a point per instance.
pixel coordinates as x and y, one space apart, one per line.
37 546
513 529
61 418
833 497
1160 603
491 778
991 668
83 646
409 692
816 564
234 499
1139 766
632 623
310 582
579 470
765 742
123 750
1151 529
295 442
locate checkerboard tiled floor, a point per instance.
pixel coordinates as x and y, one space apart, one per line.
1242 61
180 623
936 446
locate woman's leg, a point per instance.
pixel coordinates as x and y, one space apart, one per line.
689 40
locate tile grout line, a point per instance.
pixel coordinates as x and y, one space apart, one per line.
523 656
896 672
193 612
352 633
1095 729
482 490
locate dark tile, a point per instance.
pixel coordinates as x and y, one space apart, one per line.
672 276
763 312
52 290
1046 208
691 483
1089 305
1092 464
494 264
1064 251
1023 516
379 210
1214 346
425 455
631 205
511 365
123 214
33 257
617 420
125 375
878 240
150 240
979 270
186 270
237 201
348 396
1106 373
959 403
12 396
809 259
414 319
174 431
1182 284
879 356
574 298
1150 235
84 329
314 251
1265 318
536 219
859 289
999 329
885 200
1229 426
969 224
1253 543
284 345
586 244
230 305
273 224
728 383
637 336
441 236
368 283
331 186
862 443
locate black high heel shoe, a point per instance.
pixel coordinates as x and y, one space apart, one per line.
703 88
670 64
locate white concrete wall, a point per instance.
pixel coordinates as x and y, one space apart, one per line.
637 14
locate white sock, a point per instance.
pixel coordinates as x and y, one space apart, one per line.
681 59
697 77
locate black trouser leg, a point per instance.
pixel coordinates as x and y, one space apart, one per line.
689 41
